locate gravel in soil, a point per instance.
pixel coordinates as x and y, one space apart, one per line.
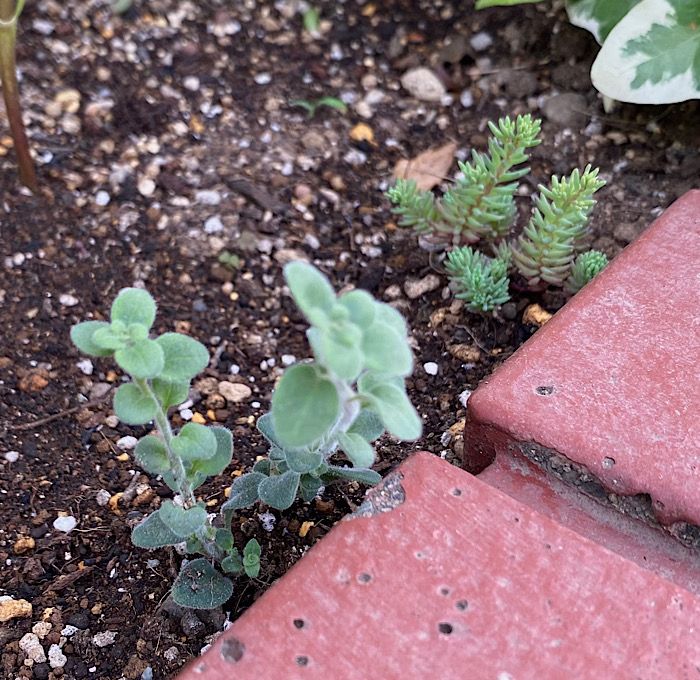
165 137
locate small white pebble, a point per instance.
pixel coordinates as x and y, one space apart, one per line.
104 639
42 629
152 564
111 421
186 414
102 497
65 524
262 78
127 443
85 366
464 397
466 99
255 404
69 631
431 368
288 359
102 198
207 197
12 456
213 225
146 186
235 369
191 83
32 648
171 654
68 300
268 521
57 659
481 41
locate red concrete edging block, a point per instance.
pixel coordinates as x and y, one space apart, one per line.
439 575
612 382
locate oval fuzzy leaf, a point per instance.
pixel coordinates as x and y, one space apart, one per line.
244 491
652 56
358 450
152 533
151 455
355 474
305 406
132 406
200 586
310 289
279 491
81 336
134 305
386 351
221 459
110 338
309 486
182 522
368 425
392 317
267 429
361 306
195 442
340 351
303 461
184 357
170 393
392 406
143 359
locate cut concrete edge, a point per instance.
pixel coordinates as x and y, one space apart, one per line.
486 445
256 644
581 511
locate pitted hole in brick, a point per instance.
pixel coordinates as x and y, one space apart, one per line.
445 628
299 623
364 578
462 605
200 668
544 390
232 650
456 492
444 591
302 661
419 555
608 462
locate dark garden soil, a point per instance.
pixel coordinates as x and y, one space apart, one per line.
166 137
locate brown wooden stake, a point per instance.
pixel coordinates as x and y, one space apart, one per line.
10 93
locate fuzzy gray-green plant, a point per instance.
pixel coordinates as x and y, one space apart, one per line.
545 250
343 400
161 370
586 266
482 282
480 204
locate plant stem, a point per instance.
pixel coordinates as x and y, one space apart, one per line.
10 92
177 467
163 425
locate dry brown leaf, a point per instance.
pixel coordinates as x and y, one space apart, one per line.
429 168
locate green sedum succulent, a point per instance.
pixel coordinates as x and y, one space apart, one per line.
586 266
480 204
480 207
349 395
545 250
482 282
161 369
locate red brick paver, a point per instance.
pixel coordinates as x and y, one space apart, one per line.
612 382
447 577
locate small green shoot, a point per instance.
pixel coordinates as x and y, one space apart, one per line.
312 106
